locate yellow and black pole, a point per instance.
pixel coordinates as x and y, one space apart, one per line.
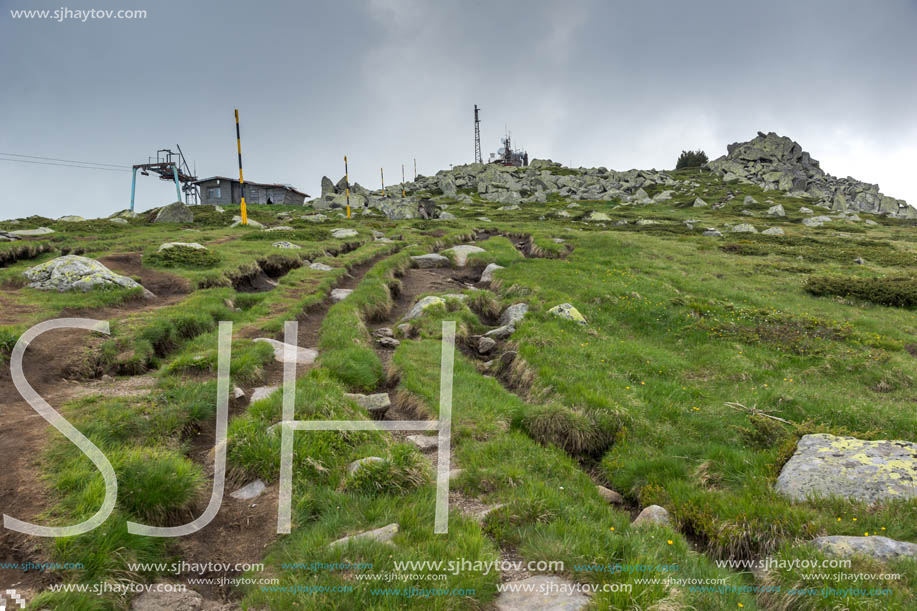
241 180
402 180
347 185
382 176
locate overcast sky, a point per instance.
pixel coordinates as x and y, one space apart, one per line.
585 82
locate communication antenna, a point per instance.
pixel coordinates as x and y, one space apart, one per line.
477 135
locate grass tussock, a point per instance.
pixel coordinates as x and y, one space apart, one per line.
404 470
898 292
579 432
183 256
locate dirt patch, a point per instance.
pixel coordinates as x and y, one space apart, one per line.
159 283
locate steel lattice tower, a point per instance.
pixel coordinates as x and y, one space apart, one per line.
477 136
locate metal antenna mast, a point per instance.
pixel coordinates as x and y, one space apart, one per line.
477 136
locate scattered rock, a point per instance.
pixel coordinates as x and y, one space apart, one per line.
816 221
169 245
383 332
773 231
488 274
513 314
344 233
776 210
486 344
654 515
598 216
249 491
379 535
174 213
358 464
422 305
804 210
462 251
501 332
880 548
262 392
376 404
870 471
237 221
237 393
315 218
32 232
713 233
859 261
431 260
744 228
285 244
699 203
749 200
302 356
320 267
425 443
118 221
610 495
567 311
388 342
71 219
72 273
340 294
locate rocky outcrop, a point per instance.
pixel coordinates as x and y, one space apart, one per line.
174 213
777 162
75 273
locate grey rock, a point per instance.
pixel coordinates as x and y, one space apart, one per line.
340 294
501 332
486 344
356 465
25 233
344 233
153 600
804 210
320 267
262 392
285 244
383 332
388 342
568 312
75 273
869 471
488 274
654 515
749 200
315 218
513 314
376 404
776 210
169 245
71 218
773 231
859 261
118 221
425 443
744 228
610 495
598 216
713 233
174 213
422 305
880 548
301 356
250 491
430 260
461 252
379 535
699 203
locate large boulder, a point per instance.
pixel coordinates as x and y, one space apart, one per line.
422 305
870 471
461 252
75 273
878 547
569 312
174 213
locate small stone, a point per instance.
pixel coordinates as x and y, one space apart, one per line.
430 260
340 294
164 600
301 356
425 443
488 274
462 251
262 392
379 535
388 342
422 305
249 491
610 495
567 311
486 344
878 547
383 332
501 332
772 231
776 210
237 393
713 233
744 228
321 267
699 203
358 464
652 515
749 200
859 261
376 404
285 244
513 314
344 233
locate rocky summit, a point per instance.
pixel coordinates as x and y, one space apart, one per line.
777 162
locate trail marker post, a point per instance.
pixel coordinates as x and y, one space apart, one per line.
347 185
244 212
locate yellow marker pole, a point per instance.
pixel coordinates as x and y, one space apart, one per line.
382 175
402 180
347 185
241 181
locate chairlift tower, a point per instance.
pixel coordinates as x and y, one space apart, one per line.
172 167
